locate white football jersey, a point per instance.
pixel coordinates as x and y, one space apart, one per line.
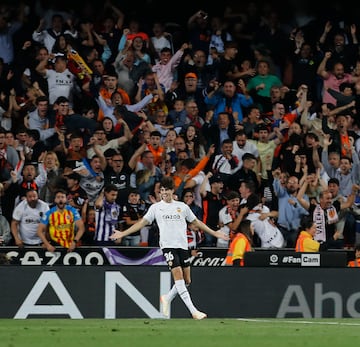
171 219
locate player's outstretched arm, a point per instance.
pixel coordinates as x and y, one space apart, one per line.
218 234
133 229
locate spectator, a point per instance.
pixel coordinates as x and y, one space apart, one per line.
220 34
346 170
325 214
187 168
100 141
5 233
147 176
259 85
8 28
225 164
241 145
188 196
246 173
132 211
106 90
167 65
290 209
193 115
304 62
108 126
195 142
36 147
169 146
118 172
108 214
227 216
217 132
47 36
229 100
305 241
160 39
76 150
92 175
27 176
8 157
356 261
264 223
227 68
130 73
54 174
62 223
187 89
151 87
252 121
333 78
41 120
89 223
343 47
29 59
213 202
203 72
177 115
26 218
199 31
61 82
241 244
76 196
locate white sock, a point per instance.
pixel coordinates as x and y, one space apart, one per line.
185 295
172 293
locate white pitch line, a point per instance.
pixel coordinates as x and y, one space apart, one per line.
295 322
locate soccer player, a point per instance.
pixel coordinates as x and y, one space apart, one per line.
61 221
172 217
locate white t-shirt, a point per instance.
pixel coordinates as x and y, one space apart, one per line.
29 219
60 84
248 148
224 219
198 179
270 235
172 221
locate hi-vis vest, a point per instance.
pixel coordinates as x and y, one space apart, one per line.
311 245
354 263
229 256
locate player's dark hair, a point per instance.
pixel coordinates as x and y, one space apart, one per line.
167 182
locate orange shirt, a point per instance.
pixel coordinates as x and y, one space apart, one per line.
106 95
345 145
157 153
193 172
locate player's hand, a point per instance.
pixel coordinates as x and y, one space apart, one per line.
222 235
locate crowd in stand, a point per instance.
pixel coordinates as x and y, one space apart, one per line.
255 117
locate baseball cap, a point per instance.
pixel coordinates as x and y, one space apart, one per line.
191 75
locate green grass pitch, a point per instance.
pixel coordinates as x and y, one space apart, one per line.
179 332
